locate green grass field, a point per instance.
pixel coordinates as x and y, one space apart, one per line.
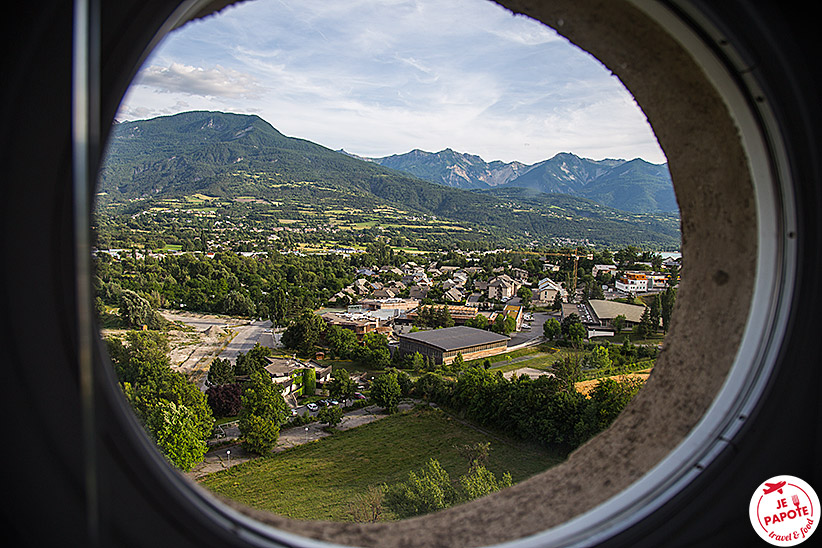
317 481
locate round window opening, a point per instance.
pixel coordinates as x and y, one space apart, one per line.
730 306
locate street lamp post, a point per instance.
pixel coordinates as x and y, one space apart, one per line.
306 434
228 454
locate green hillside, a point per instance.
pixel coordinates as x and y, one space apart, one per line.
242 163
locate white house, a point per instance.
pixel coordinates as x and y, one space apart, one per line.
632 282
547 290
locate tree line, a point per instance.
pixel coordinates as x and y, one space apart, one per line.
274 286
546 410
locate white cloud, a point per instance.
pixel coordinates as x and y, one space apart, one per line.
207 82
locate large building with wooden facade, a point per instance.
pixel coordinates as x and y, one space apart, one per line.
443 345
460 314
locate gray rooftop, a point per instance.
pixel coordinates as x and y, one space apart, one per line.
455 338
608 310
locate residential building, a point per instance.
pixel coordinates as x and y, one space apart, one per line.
636 282
289 373
502 288
632 282
454 295
547 290
358 322
517 313
419 292
657 281
394 303
383 293
519 274
598 268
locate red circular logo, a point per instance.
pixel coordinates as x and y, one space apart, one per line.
784 511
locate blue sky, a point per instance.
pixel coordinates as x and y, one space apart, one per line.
385 77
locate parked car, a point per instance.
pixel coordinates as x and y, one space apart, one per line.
333 402
312 406
358 396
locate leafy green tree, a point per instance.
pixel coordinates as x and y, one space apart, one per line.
303 335
479 481
576 332
263 412
668 302
606 401
220 371
568 321
343 342
645 326
619 323
431 489
568 371
478 322
144 370
600 359
175 430
386 391
417 362
375 352
278 307
237 303
253 360
432 387
332 415
551 329
458 362
259 434
137 311
656 262
342 386
673 275
503 324
422 493
405 382
557 303
434 316
627 256
443 317
525 295
655 312
572 328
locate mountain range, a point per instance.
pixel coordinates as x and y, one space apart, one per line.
630 185
232 156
